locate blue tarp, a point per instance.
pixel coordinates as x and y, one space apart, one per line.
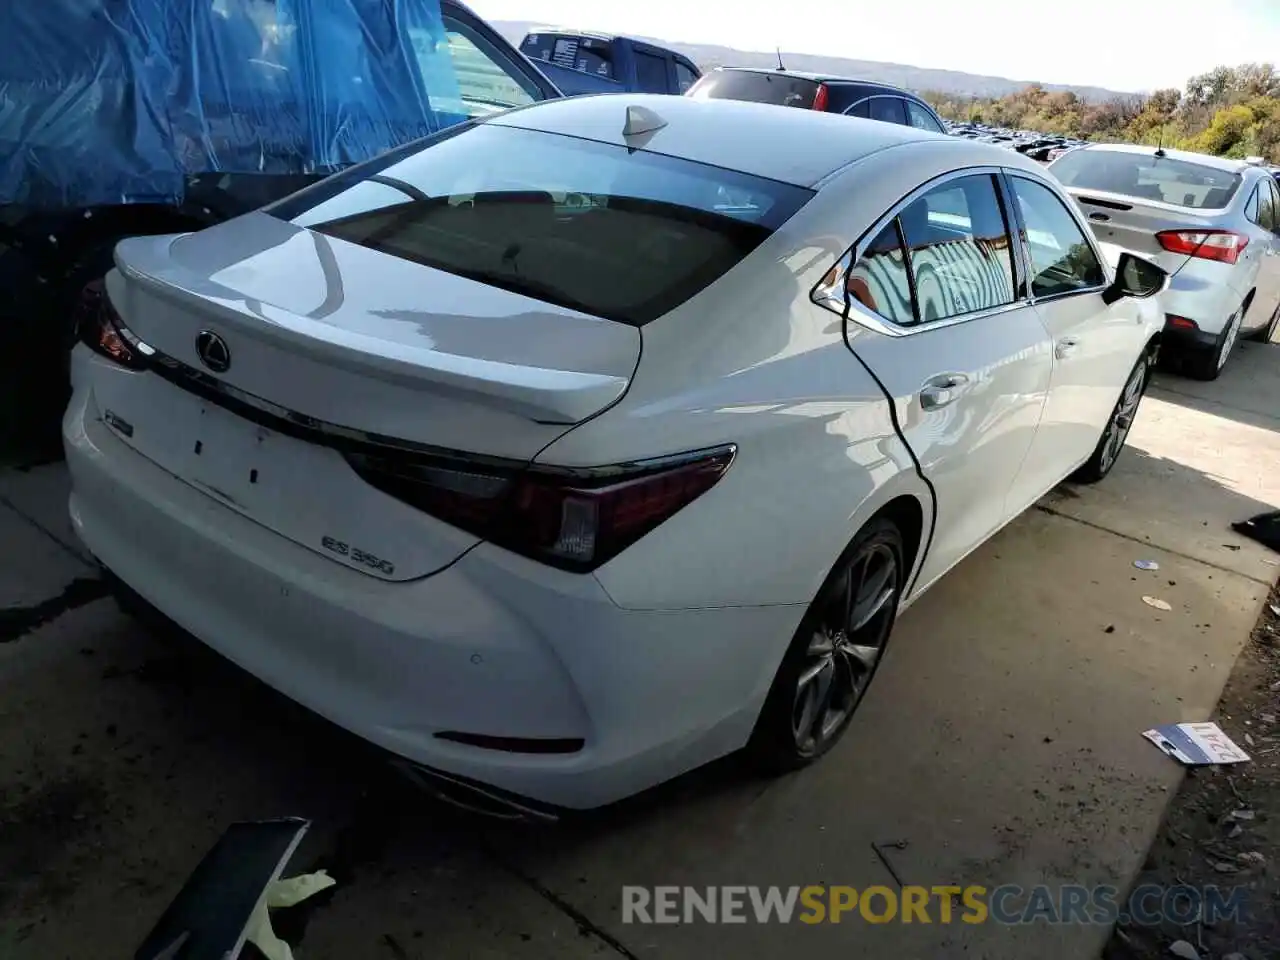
118 101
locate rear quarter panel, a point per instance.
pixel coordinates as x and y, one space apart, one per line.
752 361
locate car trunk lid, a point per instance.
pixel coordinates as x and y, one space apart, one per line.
1133 223
328 347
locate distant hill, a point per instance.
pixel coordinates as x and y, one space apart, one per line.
707 56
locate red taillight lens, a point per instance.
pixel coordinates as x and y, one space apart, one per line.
1182 323
820 98
1225 246
576 520
100 328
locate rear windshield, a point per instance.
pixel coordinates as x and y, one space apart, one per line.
1148 177
586 54
779 88
626 235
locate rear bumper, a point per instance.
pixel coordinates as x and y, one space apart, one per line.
1205 293
493 645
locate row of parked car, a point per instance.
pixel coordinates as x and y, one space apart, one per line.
1037 146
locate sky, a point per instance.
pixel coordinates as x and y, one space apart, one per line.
1132 45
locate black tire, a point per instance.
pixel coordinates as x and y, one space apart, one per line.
1266 333
1116 432
1208 364
798 724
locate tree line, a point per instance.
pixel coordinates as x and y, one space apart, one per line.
1229 111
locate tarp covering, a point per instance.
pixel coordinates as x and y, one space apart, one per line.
117 101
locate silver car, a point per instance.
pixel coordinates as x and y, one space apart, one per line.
1212 223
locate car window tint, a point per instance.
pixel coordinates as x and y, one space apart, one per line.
888 109
1251 210
960 252
1148 177
1268 189
879 279
861 109
585 54
1062 261
784 89
487 81
623 234
651 73
921 119
685 78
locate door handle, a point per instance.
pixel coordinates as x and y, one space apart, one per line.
942 390
1065 347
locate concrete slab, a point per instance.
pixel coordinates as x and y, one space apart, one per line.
40 494
33 567
124 757
1002 741
1194 466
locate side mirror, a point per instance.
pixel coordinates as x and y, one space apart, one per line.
1136 278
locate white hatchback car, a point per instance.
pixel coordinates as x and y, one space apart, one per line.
573 448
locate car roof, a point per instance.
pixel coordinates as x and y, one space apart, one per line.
1204 159
821 78
755 138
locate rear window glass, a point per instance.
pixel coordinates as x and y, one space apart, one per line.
591 55
1148 177
626 235
779 88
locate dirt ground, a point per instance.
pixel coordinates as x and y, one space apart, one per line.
1223 826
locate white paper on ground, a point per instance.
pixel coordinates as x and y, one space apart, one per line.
1196 744
282 893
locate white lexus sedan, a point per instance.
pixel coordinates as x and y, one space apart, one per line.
572 448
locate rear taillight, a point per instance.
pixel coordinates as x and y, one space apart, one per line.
573 519
1225 246
100 328
1180 323
821 97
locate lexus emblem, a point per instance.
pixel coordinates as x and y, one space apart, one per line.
213 351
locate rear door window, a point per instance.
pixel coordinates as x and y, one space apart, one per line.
958 242
685 77
889 110
861 109
1062 259
625 235
779 88
1268 188
922 119
651 73
881 281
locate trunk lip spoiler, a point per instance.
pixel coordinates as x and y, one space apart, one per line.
562 397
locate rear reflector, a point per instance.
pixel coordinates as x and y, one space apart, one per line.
568 518
514 744
821 97
1182 323
1225 246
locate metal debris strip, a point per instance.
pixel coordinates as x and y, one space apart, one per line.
1146 565
880 848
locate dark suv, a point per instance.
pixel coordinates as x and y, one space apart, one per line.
811 91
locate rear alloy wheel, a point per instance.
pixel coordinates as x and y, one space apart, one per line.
1208 364
1117 430
835 653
